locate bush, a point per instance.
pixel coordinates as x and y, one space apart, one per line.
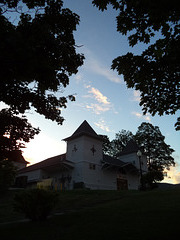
152 177
36 204
7 174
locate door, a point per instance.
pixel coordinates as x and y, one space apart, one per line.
122 184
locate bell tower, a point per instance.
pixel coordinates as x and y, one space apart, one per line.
84 149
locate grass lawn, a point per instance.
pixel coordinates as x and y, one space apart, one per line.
106 215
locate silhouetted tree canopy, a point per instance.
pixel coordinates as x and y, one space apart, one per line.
106 144
156 72
150 139
158 153
14 132
119 143
37 55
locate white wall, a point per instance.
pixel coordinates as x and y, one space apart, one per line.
32 175
134 159
98 178
84 160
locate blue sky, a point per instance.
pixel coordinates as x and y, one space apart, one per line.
102 97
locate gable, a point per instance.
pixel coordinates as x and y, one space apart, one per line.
84 129
131 147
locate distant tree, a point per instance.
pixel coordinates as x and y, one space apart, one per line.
120 141
159 154
106 146
37 55
114 147
154 175
155 73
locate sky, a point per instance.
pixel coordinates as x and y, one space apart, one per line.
102 97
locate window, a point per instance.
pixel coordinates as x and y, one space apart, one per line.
92 166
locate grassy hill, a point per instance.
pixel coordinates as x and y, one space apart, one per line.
105 215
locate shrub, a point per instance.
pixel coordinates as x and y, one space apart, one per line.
36 204
7 174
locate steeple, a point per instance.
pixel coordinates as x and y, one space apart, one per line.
131 147
83 129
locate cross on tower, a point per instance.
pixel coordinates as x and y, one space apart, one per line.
75 149
93 150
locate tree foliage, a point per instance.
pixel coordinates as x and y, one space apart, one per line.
152 142
38 55
14 132
158 153
7 174
154 175
119 143
106 145
155 73
114 147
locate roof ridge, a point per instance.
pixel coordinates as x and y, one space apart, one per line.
48 161
83 129
130 147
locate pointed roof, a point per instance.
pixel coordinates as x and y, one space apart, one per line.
84 129
131 147
16 156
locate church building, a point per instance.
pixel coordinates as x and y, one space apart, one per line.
85 166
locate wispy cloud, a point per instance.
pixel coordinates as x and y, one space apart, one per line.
141 116
136 96
173 175
102 125
94 65
99 96
101 103
78 77
97 108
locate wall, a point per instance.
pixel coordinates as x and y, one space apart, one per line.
33 175
134 159
96 178
133 181
88 164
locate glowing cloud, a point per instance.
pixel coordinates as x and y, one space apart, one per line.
102 125
141 116
136 96
99 96
173 175
97 108
101 104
